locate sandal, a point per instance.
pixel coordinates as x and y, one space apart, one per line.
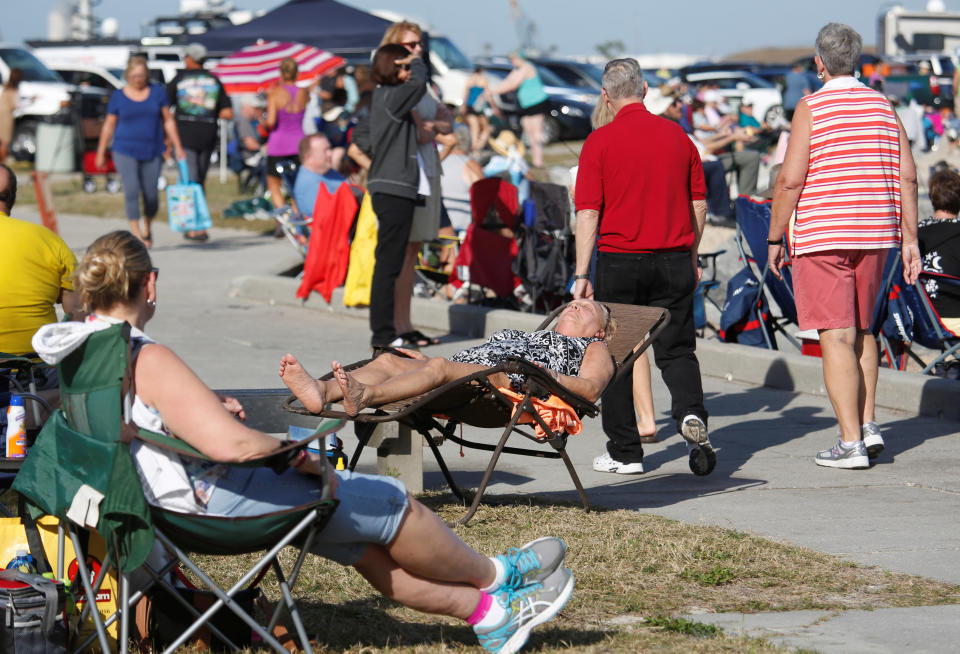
418 338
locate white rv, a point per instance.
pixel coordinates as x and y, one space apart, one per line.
906 32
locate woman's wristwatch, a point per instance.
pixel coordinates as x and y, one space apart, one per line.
775 241
585 276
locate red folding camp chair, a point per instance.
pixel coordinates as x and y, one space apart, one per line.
487 253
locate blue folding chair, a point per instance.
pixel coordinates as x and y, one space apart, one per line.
753 227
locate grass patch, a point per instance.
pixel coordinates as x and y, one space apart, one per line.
636 574
683 626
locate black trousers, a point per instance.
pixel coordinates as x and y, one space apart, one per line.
658 279
394 218
198 163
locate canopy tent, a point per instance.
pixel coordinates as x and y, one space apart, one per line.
326 24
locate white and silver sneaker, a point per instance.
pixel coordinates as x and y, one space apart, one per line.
702 457
872 440
838 456
606 463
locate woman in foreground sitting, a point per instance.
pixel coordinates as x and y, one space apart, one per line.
575 353
403 549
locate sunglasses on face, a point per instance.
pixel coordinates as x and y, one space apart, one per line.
410 45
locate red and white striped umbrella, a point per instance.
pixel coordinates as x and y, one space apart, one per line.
257 66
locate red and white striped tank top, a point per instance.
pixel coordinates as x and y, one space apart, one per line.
851 197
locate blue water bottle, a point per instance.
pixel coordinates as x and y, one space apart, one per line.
23 562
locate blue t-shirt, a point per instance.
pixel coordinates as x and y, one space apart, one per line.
795 83
308 183
139 132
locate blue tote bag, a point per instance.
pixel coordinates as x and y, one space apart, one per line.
186 204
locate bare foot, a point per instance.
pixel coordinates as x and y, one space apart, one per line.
307 389
353 391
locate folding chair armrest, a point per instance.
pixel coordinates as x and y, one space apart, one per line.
28 360
702 258
278 460
539 381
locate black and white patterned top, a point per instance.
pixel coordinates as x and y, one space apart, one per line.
562 354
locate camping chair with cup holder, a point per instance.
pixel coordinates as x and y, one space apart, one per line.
80 470
24 374
475 401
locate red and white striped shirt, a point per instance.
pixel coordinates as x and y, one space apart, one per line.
851 197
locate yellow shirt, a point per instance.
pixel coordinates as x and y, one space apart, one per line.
35 264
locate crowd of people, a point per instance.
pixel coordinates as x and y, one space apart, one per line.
841 200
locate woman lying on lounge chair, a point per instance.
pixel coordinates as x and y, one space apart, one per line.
403 549
575 352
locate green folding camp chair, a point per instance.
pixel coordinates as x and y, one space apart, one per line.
80 470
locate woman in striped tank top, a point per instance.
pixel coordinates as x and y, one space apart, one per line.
850 176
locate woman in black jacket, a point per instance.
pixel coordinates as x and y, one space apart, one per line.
390 139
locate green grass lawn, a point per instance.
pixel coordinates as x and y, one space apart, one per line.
69 197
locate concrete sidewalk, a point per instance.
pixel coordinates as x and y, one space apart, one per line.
224 312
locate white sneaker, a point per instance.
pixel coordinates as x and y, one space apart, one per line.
606 463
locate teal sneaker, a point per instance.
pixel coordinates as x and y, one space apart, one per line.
526 608
531 563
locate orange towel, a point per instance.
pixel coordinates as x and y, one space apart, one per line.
557 414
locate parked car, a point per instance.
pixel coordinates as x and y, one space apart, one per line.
583 74
737 85
43 97
568 116
577 74
88 75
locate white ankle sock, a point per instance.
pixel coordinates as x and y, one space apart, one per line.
499 578
848 446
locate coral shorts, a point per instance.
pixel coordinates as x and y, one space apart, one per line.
838 288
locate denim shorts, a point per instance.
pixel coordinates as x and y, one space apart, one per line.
370 511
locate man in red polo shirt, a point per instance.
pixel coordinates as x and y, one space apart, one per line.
640 198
